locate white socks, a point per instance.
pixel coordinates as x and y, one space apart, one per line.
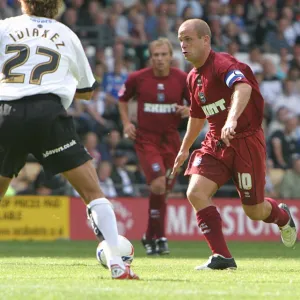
105 219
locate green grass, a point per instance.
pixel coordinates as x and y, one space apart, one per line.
69 270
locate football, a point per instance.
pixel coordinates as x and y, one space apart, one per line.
126 251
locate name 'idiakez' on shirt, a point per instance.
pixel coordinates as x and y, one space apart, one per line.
18 35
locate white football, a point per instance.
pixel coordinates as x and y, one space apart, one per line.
126 251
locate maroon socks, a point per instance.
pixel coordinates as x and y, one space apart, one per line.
278 215
156 217
210 223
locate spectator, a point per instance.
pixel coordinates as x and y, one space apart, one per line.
77 4
231 34
162 26
238 16
111 30
217 40
233 48
254 12
70 18
196 8
284 64
290 33
290 185
277 40
109 145
113 81
255 59
102 32
271 85
295 62
285 143
266 23
225 12
187 13
100 112
89 14
150 21
129 3
82 124
122 33
5 10
212 11
118 54
99 71
269 186
122 178
105 181
288 98
137 32
172 35
172 13
90 143
46 186
277 123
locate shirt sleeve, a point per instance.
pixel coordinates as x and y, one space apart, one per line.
232 73
81 69
128 89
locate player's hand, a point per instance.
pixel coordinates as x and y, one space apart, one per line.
130 131
183 111
228 132
179 161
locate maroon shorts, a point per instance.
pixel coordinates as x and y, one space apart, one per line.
156 154
244 161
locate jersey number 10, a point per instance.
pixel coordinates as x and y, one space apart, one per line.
21 57
245 181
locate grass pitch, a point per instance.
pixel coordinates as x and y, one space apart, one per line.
69 270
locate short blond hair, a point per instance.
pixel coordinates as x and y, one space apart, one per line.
160 42
41 8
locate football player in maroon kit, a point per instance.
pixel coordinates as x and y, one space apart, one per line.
160 91
225 92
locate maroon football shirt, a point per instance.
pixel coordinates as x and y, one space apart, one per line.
211 87
157 98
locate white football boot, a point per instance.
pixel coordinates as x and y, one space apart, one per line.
288 231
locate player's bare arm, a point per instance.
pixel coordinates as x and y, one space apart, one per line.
193 128
239 100
129 128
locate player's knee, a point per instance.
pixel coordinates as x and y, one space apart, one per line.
254 213
158 185
196 197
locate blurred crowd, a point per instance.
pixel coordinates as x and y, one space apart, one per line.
265 34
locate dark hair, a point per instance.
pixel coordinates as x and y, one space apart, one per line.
41 8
